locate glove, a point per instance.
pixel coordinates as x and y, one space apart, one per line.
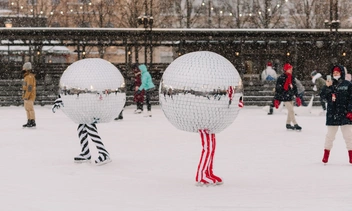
138 92
349 116
276 104
298 101
58 103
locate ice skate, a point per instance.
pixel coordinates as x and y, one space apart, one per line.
289 127
297 127
32 124
82 158
205 183
326 156
149 114
102 159
138 111
26 125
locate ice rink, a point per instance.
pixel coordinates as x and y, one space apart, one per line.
264 166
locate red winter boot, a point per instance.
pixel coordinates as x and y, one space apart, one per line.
326 155
350 155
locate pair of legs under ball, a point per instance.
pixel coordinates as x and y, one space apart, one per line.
205 175
90 130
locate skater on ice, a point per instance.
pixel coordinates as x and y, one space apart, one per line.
191 106
338 94
285 91
29 94
91 91
148 86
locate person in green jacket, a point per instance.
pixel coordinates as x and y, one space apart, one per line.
148 86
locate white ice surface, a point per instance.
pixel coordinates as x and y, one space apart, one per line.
264 166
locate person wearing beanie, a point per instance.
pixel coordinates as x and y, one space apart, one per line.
285 91
319 83
269 73
338 94
29 94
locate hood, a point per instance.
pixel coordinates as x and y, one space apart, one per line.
143 68
342 69
318 75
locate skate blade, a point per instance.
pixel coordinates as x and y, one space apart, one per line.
201 184
104 162
82 161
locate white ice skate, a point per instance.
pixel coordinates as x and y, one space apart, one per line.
138 111
149 114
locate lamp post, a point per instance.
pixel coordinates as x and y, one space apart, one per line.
8 24
147 21
333 23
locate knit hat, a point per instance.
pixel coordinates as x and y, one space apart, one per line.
269 64
27 66
336 69
287 66
314 73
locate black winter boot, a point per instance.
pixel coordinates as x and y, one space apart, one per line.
290 127
28 122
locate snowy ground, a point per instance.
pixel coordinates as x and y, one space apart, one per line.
264 167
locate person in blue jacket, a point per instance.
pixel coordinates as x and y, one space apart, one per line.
148 86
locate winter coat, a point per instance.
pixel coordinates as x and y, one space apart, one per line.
338 109
269 74
147 82
29 87
138 97
300 87
319 82
283 95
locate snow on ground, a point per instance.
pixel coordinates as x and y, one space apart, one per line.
264 166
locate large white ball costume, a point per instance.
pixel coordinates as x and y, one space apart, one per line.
91 91
202 92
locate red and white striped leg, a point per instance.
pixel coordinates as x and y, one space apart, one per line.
203 177
210 167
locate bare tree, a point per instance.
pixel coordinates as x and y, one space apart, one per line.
267 13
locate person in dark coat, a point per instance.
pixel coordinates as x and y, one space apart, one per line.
338 94
285 91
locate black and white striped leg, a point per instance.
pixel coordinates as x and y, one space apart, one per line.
103 157
83 137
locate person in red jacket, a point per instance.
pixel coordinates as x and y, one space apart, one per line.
29 94
285 90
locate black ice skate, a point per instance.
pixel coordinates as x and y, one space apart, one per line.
102 159
31 124
82 158
297 127
26 125
289 127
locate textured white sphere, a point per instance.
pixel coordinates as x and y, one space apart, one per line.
200 90
92 90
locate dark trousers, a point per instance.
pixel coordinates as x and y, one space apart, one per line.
148 94
140 105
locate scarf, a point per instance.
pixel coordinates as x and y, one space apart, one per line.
288 81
